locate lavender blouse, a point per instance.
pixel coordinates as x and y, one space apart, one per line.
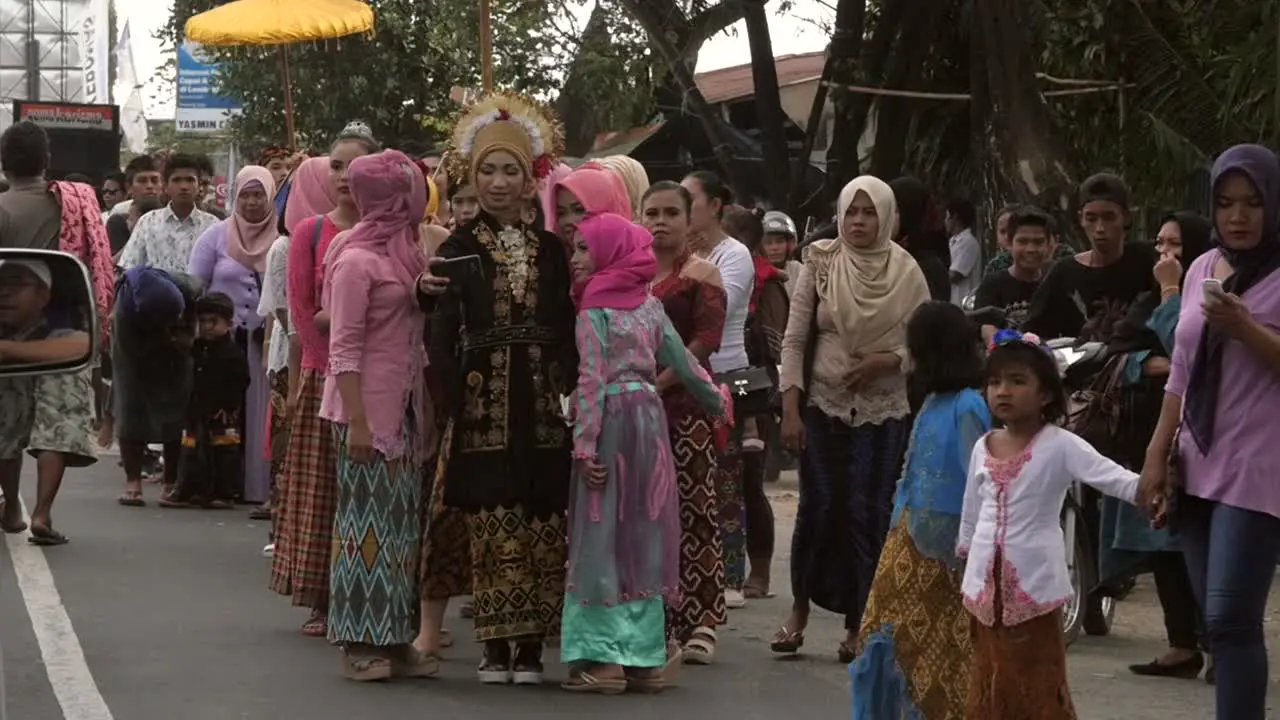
1240 467
222 273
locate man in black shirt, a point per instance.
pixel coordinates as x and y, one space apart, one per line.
1086 295
1031 244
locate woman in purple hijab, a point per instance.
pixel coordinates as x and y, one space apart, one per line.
1218 425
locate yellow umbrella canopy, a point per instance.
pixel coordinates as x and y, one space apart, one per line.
280 22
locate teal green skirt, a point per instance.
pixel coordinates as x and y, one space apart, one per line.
631 634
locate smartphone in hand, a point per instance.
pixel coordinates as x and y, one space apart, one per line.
1213 290
458 269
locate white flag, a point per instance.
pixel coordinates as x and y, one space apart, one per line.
95 44
133 121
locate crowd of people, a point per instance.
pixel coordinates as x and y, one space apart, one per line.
478 372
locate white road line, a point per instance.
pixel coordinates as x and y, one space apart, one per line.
64 662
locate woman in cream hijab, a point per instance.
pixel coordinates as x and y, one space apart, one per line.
845 414
634 177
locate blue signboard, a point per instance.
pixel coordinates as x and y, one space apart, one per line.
200 108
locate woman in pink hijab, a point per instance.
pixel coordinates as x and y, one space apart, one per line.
547 195
310 192
623 496
231 258
589 189
373 394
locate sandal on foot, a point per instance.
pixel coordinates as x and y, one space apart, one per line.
45 536
11 528
647 681
786 641
414 663
585 682
316 626
366 668
446 639
845 653
131 498
171 502
701 648
468 610
756 591
675 662
219 505
262 513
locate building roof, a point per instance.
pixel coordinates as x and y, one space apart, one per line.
735 83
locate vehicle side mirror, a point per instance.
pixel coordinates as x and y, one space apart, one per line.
48 320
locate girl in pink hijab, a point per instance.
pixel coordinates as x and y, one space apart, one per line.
623 495
372 396
310 192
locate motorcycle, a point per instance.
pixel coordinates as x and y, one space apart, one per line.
1091 608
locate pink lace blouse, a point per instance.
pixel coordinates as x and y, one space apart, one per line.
376 331
1011 516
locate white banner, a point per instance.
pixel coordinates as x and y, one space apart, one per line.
133 123
95 52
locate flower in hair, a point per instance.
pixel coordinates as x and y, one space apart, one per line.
1009 336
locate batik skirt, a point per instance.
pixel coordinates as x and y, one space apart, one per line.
732 510
278 443
373 586
300 563
701 556
914 646
517 561
847 478
445 570
1020 671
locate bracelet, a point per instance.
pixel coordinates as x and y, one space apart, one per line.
1170 288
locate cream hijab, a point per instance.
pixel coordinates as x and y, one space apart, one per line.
869 291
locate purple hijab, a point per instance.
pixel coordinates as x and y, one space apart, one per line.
1249 266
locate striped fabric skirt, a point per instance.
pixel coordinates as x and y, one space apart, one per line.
445 570
300 565
701 557
376 531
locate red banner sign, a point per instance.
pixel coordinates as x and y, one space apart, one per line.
68 117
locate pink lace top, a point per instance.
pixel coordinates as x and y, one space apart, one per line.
376 332
1011 517
306 279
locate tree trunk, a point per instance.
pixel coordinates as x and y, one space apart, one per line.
581 124
893 120
1018 158
676 39
769 113
843 163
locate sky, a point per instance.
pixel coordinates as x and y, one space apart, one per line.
790 34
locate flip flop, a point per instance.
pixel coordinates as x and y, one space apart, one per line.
46 537
132 498
14 529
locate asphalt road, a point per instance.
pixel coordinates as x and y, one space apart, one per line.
154 614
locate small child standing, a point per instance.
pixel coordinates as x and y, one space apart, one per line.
212 465
1016 579
914 647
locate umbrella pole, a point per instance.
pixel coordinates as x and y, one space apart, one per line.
288 97
486 47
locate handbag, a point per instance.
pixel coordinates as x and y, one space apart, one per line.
1175 487
1093 412
752 389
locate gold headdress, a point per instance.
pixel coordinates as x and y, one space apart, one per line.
510 122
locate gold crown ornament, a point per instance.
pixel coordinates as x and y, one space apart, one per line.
511 122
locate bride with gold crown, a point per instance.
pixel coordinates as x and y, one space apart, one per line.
501 346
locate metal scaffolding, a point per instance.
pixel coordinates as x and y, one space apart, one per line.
40 52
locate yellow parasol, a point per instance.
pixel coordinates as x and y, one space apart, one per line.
282 23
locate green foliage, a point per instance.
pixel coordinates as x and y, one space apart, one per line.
398 79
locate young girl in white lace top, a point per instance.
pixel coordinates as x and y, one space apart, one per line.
1016 580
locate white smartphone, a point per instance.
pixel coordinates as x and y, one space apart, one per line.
1212 289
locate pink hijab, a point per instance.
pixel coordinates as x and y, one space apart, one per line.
548 195
624 259
248 242
310 193
391 194
599 190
